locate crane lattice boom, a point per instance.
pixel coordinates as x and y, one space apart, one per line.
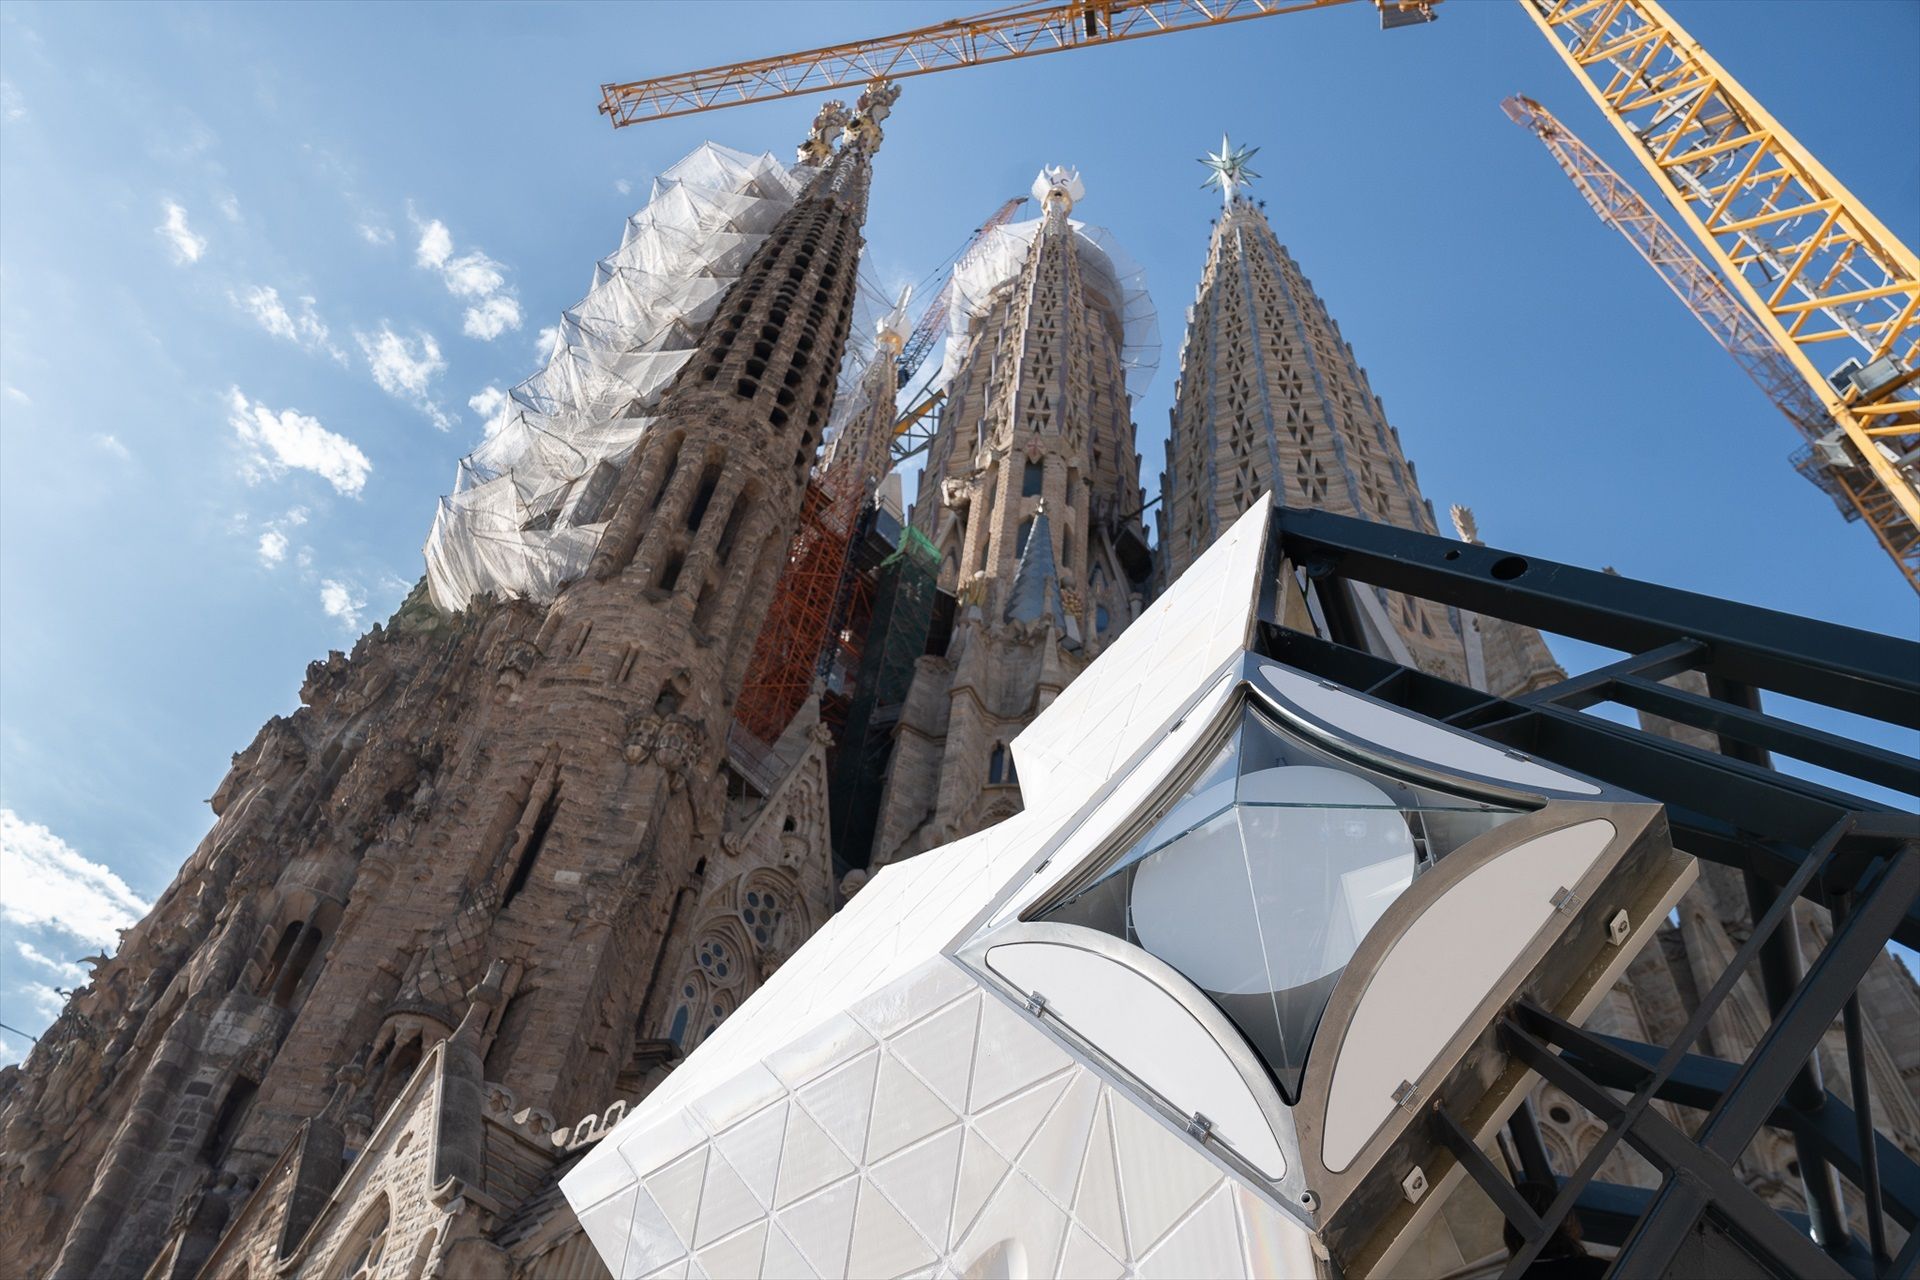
1018 31
1817 270
1732 326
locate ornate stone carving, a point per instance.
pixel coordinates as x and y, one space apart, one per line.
672 741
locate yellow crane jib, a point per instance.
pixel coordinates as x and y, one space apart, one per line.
1822 458
1838 294
1017 31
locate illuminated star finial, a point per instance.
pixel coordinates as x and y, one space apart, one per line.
1229 168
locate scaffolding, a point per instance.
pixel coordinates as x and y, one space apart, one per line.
904 595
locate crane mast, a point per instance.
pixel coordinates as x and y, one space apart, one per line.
1834 290
1723 315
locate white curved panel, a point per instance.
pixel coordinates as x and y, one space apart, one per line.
1144 1029
1406 735
1430 981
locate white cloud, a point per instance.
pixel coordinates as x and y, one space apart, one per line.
186 246
113 446
624 187
51 885
289 440
230 208
65 968
273 547
376 235
490 406
297 516
343 600
468 275
406 367
15 393
305 558
492 317
303 326
45 999
436 244
545 341
12 105
10 1052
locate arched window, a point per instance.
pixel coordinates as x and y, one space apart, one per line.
367 1245
1101 620
1020 542
762 914
717 958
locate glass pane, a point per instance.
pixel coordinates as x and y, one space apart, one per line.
1259 881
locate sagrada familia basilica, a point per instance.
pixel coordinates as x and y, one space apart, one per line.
513 858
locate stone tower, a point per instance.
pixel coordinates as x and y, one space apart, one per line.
1272 399
507 821
1031 495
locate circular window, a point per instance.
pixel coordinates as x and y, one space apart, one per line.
1559 1114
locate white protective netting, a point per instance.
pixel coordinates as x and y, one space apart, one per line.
527 506
1105 268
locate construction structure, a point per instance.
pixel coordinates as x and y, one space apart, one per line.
520 854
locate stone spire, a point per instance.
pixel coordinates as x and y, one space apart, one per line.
1031 496
1271 399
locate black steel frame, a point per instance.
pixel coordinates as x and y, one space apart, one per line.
1791 838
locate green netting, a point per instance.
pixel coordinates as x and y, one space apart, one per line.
903 602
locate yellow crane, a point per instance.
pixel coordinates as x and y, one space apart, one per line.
1826 282
1823 458
1017 31
1823 278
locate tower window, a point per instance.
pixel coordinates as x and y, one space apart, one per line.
1000 769
1020 542
1031 478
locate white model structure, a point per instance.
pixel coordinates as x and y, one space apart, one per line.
1183 1016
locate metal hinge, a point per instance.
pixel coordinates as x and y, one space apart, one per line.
1407 1094
1199 1126
1565 900
1036 1002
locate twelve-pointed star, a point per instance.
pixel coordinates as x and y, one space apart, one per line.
1229 167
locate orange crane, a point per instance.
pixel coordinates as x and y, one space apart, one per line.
1808 261
1823 457
805 622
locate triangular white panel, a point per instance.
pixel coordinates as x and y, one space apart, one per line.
921 1182
1010 1054
677 1271
809 1159
650 1241
821 1227
1019 1212
1205 1244
1084 1259
676 1189
725 1203
940 1049
842 1101
1096 1205
606 1225
981 1169
1012 1124
737 1255
783 1261
904 1111
1160 1177
1053 1158
884 1243
752 1147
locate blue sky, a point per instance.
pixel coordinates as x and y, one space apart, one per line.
257 263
